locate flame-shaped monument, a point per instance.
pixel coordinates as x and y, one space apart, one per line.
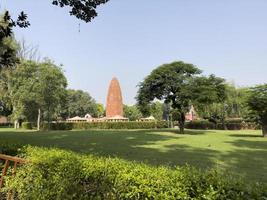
114 107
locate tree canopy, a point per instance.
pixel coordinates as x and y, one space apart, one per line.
82 9
257 103
131 112
179 85
80 103
37 87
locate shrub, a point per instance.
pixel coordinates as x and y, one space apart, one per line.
120 125
11 149
231 124
56 126
4 125
27 125
200 124
104 125
58 174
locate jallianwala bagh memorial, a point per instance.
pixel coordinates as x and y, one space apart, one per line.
114 106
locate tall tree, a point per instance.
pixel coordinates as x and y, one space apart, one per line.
257 103
174 84
156 110
230 104
37 90
132 112
100 110
169 82
80 103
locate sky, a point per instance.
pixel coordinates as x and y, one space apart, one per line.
130 38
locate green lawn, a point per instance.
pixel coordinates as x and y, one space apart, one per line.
240 152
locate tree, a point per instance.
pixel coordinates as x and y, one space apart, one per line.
8 61
36 91
174 83
230 104
82 9
80 103
8 45
100 110
156 110
169 82
209 95
132 112
257 103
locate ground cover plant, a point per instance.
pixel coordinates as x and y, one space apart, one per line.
241 152
59 174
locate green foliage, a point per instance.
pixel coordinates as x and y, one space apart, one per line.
236 124
98 125
9 148
120 125
257 103
156 110
8 45
177 84
100 110
84 10
58 174
56 126
27 125
8 61
132 112
79 103
2 125
36 86
231 105
200 124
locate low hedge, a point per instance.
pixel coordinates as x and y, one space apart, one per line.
200 124
56 174
97 125
4 125
9 148
228 125
120 125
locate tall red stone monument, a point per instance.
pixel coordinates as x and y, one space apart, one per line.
114 107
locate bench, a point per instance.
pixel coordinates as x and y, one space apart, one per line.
8 160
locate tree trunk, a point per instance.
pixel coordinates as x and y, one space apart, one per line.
16 124
182 123
39 119
264 130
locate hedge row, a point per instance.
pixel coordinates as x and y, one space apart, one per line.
97 125
56 174
229 125
2 125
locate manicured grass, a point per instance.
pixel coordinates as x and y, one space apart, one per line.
240 152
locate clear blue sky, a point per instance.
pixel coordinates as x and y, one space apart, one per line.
130 38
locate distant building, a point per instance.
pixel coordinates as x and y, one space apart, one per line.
86 118
147 119
191 115
3 120
114 106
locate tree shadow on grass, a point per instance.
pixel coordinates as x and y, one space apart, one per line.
246 135
154 147
248 158
252 145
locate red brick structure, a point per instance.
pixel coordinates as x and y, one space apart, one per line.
3 120
114 107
